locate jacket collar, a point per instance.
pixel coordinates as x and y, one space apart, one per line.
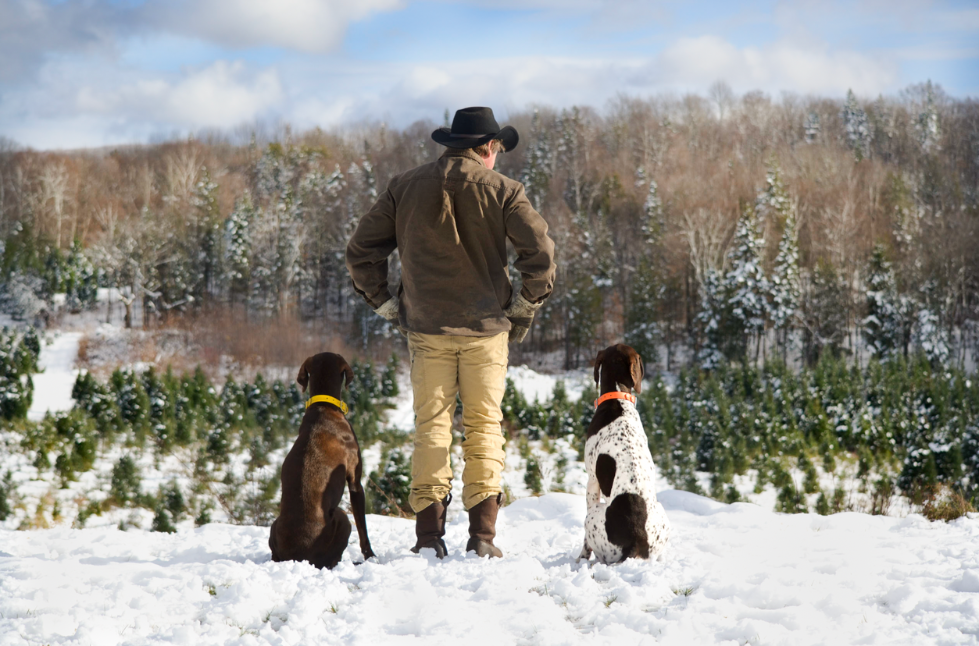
463 152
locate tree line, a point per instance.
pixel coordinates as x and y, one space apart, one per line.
700 229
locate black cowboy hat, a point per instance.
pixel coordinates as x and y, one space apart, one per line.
474 126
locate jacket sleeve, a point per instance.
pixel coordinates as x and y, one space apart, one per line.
368 250
527 230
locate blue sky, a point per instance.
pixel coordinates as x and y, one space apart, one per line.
100 72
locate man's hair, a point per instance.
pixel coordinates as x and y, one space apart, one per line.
484 149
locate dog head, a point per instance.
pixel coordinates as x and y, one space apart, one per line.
618 364
324 374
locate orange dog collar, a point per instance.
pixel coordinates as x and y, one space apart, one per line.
615 395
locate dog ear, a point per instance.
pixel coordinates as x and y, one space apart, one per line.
348 374
637 373
598 364
303 377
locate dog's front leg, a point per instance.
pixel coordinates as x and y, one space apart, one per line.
358 503
593 494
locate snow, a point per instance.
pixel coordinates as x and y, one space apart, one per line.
733 574
52 387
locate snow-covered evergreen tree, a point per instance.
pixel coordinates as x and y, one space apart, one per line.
883 327
80 280
536 174
712 321
238 247
773 202
745 285
205 239
928 127
643 331
22 296
824 308
653 217
858 133
812 127
784 285
18 359
931 337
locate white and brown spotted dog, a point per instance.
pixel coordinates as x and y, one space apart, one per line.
624 519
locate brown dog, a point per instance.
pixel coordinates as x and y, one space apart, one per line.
311 526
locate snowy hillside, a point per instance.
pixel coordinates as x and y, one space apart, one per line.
733 574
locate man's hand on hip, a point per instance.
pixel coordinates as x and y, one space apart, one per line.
521 315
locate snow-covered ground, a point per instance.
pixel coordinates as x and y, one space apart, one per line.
52 387
733 574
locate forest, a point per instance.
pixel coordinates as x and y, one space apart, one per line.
799 274
699 229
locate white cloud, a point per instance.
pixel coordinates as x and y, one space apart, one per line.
697 62
312 26
409 92
31 29
134 105
221 95
33 32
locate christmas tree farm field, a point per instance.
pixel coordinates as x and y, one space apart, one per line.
162 451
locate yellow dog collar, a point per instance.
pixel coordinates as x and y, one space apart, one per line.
329 400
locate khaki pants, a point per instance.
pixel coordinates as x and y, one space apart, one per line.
475 368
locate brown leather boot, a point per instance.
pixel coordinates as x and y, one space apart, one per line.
482 527
430 527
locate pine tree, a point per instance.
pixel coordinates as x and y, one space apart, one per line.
643 331
745 286
930 337
774 205
18 360
6 491
713 321
205 241
389 380
80 282
653 216
928 127
857 127
126 481
812 127
134 405
824 306
883 327
536 174
785 289
238 247
532 476
394 482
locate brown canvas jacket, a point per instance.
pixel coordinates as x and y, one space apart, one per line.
450 221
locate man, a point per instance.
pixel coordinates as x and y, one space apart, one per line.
450 221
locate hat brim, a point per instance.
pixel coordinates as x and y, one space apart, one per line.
508 135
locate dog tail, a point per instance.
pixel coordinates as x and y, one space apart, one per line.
625 525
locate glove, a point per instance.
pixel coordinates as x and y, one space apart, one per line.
389 312
521 315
